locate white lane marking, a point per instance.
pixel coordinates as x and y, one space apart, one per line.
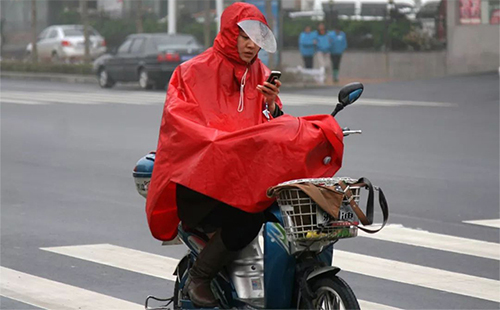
373 306
301 100
52 295
427 277
495 223
68 98
92 97
132 260
42 98
120 257
145 98
18 101
399 234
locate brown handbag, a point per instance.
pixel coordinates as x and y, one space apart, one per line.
330 199
327 197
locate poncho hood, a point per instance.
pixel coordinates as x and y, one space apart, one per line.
226 40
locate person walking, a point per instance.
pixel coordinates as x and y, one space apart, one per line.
323 45
338 46
306 46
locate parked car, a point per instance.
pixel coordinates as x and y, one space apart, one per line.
67 43
149 58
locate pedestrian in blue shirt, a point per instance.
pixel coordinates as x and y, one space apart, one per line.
339 44
306 46
323 46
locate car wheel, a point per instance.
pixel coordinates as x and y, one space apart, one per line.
27 57
105 81
55 58
160 84
144 80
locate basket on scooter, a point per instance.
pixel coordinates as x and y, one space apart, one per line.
304 220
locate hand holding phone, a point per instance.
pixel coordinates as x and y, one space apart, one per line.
275 75
270 92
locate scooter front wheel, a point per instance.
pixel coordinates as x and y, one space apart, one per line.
182 270
332 293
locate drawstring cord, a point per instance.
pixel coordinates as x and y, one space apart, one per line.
241 104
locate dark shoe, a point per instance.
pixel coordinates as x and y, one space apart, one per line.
200 292
210 261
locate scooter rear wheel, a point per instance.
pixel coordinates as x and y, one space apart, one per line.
332 293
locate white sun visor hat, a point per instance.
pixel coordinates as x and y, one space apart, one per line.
260 34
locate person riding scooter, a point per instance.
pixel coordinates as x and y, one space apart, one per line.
221 145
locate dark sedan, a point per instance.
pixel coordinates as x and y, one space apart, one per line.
148 58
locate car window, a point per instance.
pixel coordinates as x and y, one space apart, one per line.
137 45
52 34
175 42
43 34
348 9
373 9
78 32
124 48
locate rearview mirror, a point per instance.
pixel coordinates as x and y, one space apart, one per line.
350 93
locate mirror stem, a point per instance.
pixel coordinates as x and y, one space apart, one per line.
338 108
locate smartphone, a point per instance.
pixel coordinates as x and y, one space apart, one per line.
275 75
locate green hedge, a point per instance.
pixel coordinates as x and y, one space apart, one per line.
369 35
360 34
21 66
116 30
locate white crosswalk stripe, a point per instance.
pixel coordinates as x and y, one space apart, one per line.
399 234
158 98
39 292
136 261
495 223
54 295
433 278
119 257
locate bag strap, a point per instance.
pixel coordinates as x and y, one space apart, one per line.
368 218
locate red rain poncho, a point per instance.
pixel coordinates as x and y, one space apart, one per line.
208 146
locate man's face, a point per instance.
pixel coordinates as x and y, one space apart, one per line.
247 49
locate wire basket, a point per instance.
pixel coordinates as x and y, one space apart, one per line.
304 220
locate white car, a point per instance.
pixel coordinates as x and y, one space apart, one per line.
66 43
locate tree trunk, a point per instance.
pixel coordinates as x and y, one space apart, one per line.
270 21
206 29
138 15
85 21
34 37
281 13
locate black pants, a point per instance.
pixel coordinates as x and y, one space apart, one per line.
308 61
238 228
335 58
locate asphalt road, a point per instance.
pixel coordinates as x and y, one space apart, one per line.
67 153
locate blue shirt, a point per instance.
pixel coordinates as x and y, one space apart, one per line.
323 42
339 42
306 43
